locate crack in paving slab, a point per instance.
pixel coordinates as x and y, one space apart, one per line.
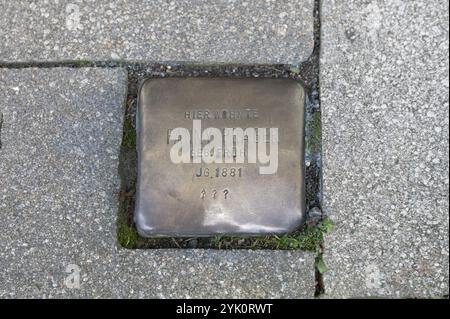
1 126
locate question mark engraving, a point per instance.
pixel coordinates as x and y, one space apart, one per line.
202 194
225 192
214 194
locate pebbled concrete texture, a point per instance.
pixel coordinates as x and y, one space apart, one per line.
385 103
199 31
62 128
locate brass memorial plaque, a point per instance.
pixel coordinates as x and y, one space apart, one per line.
220 156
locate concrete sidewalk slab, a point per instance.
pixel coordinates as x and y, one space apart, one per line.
385 102
194 31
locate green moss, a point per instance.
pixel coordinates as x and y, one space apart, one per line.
81 63
126 234
129 135
295 70
309 239
320 265
326 226
314 130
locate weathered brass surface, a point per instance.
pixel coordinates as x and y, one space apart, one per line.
198 199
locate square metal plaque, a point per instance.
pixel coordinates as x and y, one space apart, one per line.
220 156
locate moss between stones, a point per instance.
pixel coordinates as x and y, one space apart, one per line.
314 133
81 63
308 238
126 234
129 135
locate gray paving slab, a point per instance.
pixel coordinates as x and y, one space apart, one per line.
384 90
200 31
61 132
